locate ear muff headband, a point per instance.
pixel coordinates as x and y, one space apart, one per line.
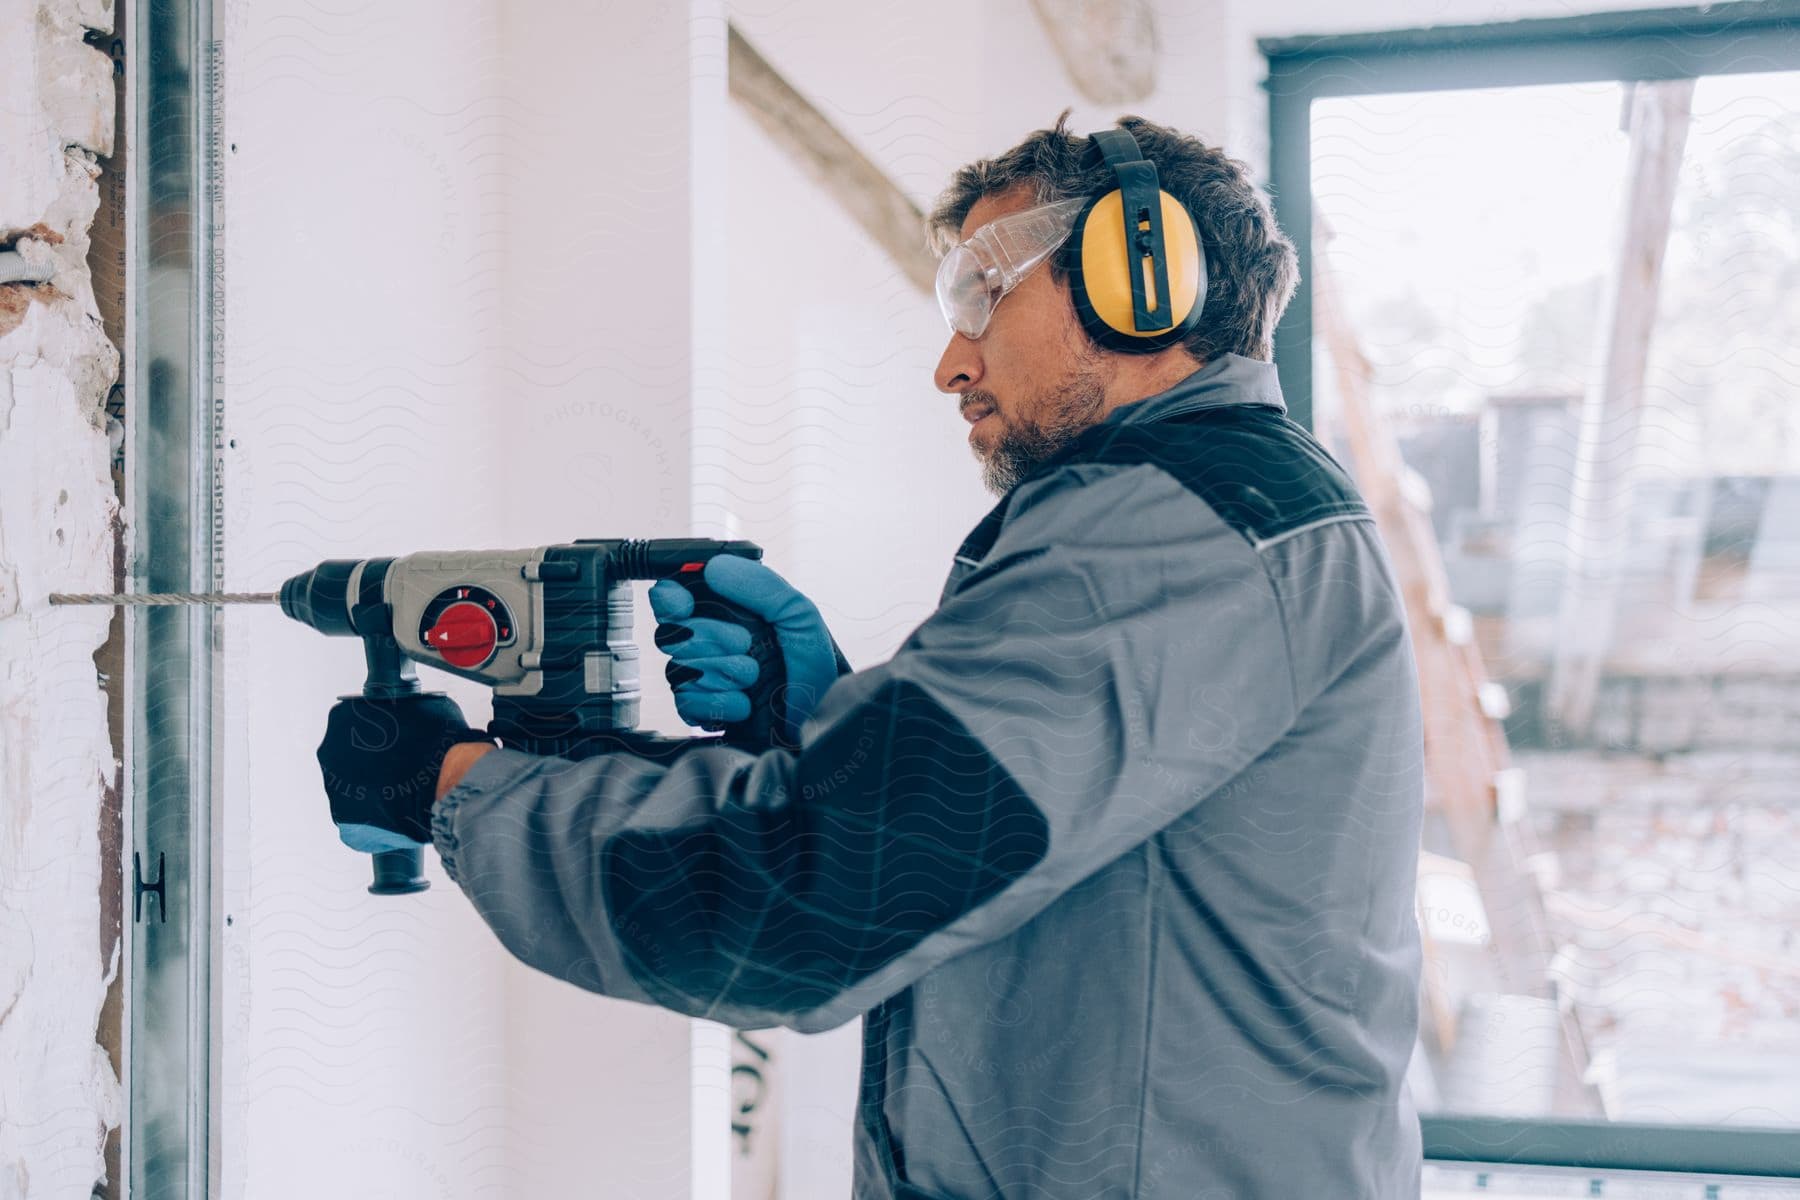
1134 262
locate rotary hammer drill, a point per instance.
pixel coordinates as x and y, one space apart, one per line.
549 629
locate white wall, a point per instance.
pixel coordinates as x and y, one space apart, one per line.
458 316
363 1038
603 348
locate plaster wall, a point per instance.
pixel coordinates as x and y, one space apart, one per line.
458 316
59 1094
609 344
362 1038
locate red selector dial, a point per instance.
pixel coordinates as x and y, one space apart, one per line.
465 633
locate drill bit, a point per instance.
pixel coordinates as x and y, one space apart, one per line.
163 598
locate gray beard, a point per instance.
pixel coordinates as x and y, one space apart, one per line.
1024 447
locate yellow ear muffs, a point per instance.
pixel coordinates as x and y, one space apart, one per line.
1138 285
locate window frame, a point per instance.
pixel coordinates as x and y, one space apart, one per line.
1742 37
1739 37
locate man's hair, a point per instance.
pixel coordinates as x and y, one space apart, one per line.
1250 264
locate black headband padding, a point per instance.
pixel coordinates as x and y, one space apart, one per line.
1141 201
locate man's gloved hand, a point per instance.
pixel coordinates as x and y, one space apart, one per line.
709 667
380 759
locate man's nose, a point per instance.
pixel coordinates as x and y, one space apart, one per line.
960 368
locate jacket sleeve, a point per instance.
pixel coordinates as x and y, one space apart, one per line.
1118 656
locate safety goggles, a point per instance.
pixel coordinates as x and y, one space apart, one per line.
976 273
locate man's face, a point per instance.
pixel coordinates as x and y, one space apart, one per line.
1032 380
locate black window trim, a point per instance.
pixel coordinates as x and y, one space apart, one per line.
1739 37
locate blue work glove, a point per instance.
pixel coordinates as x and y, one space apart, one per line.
709 666
380 760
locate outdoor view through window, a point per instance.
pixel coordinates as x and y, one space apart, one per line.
1573 312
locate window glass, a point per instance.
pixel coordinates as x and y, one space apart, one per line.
1627 943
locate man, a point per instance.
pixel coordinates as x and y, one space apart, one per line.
1116 855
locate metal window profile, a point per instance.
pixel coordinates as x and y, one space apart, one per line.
1746 36
171 990
1613 1146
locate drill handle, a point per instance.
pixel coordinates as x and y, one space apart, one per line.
392 677
766 726
391 673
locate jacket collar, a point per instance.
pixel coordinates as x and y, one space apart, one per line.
1227 379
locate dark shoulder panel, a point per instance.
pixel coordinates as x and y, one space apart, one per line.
1261 472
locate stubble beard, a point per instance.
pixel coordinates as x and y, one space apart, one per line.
1026 444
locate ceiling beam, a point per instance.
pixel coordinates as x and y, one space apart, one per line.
1108 47
832 161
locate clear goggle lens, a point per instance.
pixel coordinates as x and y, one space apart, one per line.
966 291
992 261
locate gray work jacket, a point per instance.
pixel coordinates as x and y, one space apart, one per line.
1116 854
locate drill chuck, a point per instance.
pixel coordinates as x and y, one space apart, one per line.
321 597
